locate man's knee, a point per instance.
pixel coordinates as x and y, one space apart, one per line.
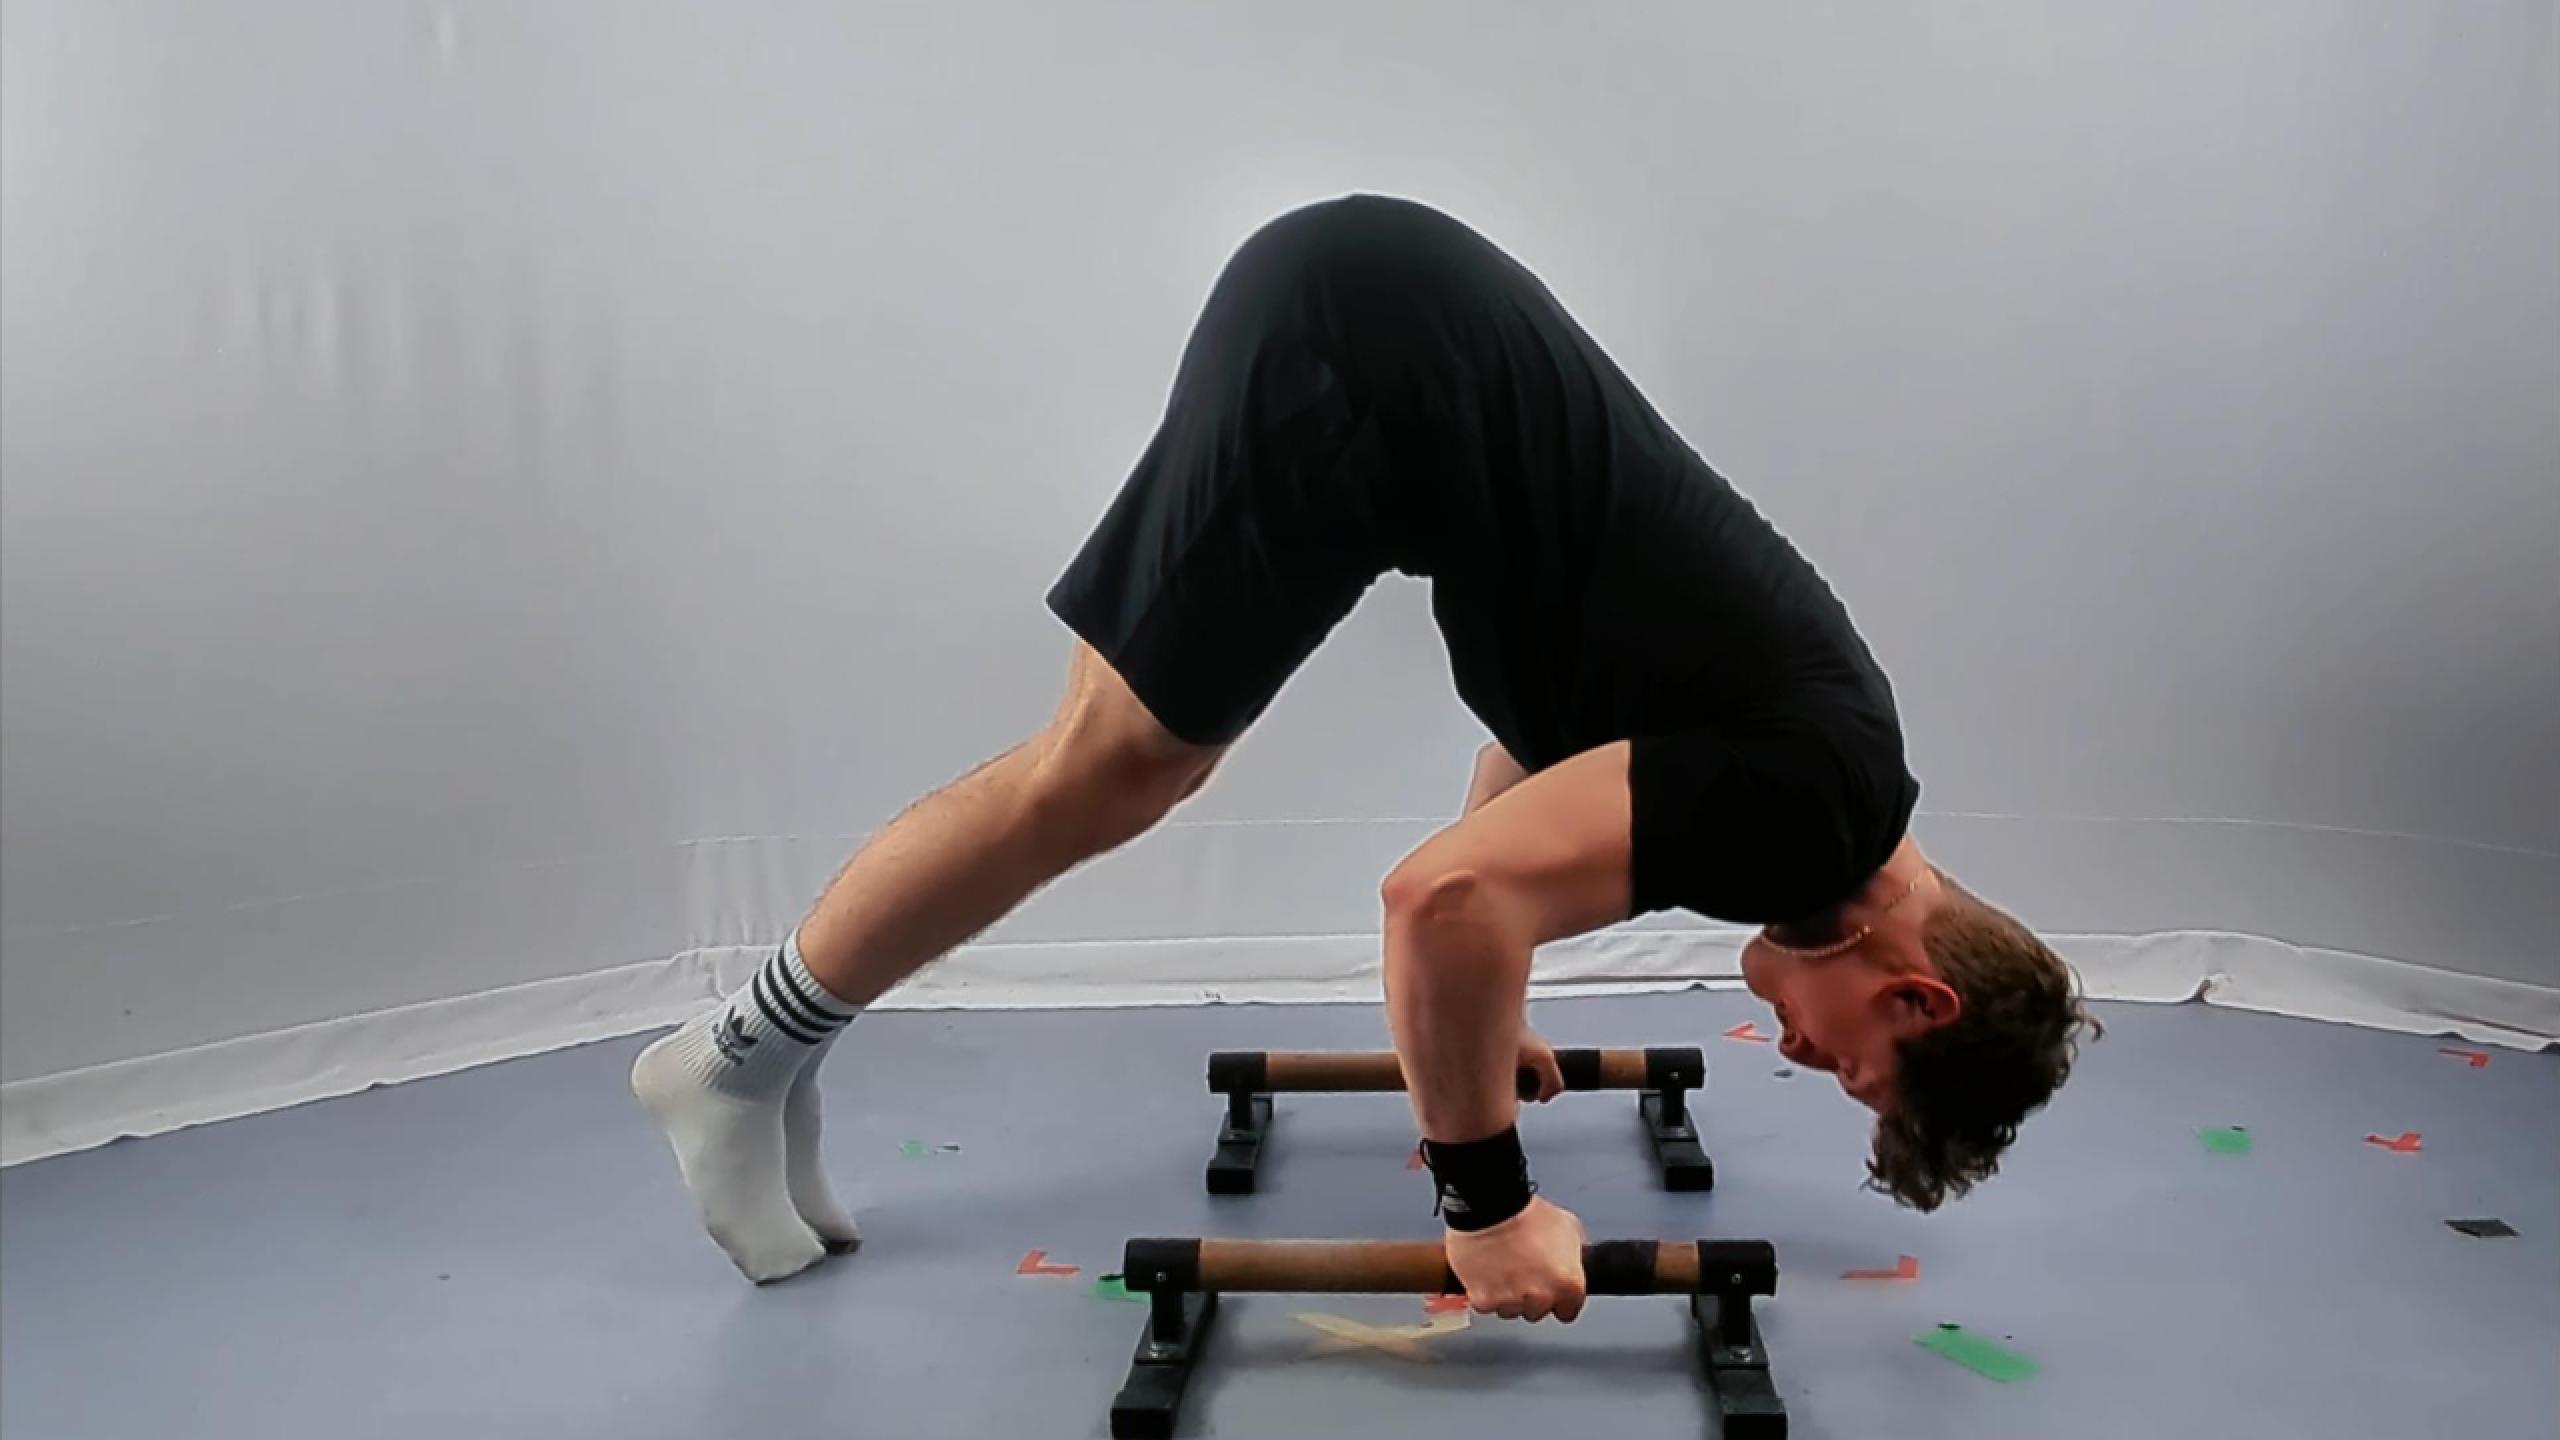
1425 893
1090 794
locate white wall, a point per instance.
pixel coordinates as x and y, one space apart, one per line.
501 491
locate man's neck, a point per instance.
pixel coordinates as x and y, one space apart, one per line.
1895 905
1897 885
1904 872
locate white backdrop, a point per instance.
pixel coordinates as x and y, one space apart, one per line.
503 492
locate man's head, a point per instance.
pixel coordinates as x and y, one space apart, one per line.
1947 1017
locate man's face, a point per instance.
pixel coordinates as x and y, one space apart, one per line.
1843 1014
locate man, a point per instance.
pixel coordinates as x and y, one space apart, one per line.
1683 716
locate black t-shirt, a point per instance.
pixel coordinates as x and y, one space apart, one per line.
1595 581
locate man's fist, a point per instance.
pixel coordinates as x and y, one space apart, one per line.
1539 1059
1526 1268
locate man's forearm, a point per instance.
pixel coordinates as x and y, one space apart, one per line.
1543 859
1457 977
1493 773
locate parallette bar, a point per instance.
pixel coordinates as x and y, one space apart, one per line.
1421 1267
1274 1072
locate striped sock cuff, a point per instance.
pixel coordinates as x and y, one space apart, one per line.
793 1001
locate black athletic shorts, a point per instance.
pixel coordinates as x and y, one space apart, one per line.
1261 511
1373 386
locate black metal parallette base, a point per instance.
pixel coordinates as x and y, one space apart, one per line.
1233 1169
1177 1326
1737 1369
1674 1134
1663 1107
1743 1402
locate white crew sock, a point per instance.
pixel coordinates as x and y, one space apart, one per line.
718 1087
803 1164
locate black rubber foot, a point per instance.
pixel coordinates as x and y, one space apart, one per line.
1690 1177
1752 1409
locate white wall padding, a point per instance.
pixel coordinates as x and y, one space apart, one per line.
164 1092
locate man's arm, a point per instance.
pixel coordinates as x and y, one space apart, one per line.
1545 859
1496 771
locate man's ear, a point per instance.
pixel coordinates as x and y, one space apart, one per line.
1921 1003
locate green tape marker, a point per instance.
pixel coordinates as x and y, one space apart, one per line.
914 1149
1976 1354
1115 1287
2224 1139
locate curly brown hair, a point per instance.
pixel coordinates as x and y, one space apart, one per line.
1963 1088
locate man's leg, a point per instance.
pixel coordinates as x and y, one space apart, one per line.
1250 526
1495 772
1099 774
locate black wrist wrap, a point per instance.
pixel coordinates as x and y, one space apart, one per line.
1482 1182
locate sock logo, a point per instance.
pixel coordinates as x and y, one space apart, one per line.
731 1039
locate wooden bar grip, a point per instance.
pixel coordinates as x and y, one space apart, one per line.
1619 1070
1370 1071
1337 1071
1369 1267
1421 1267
